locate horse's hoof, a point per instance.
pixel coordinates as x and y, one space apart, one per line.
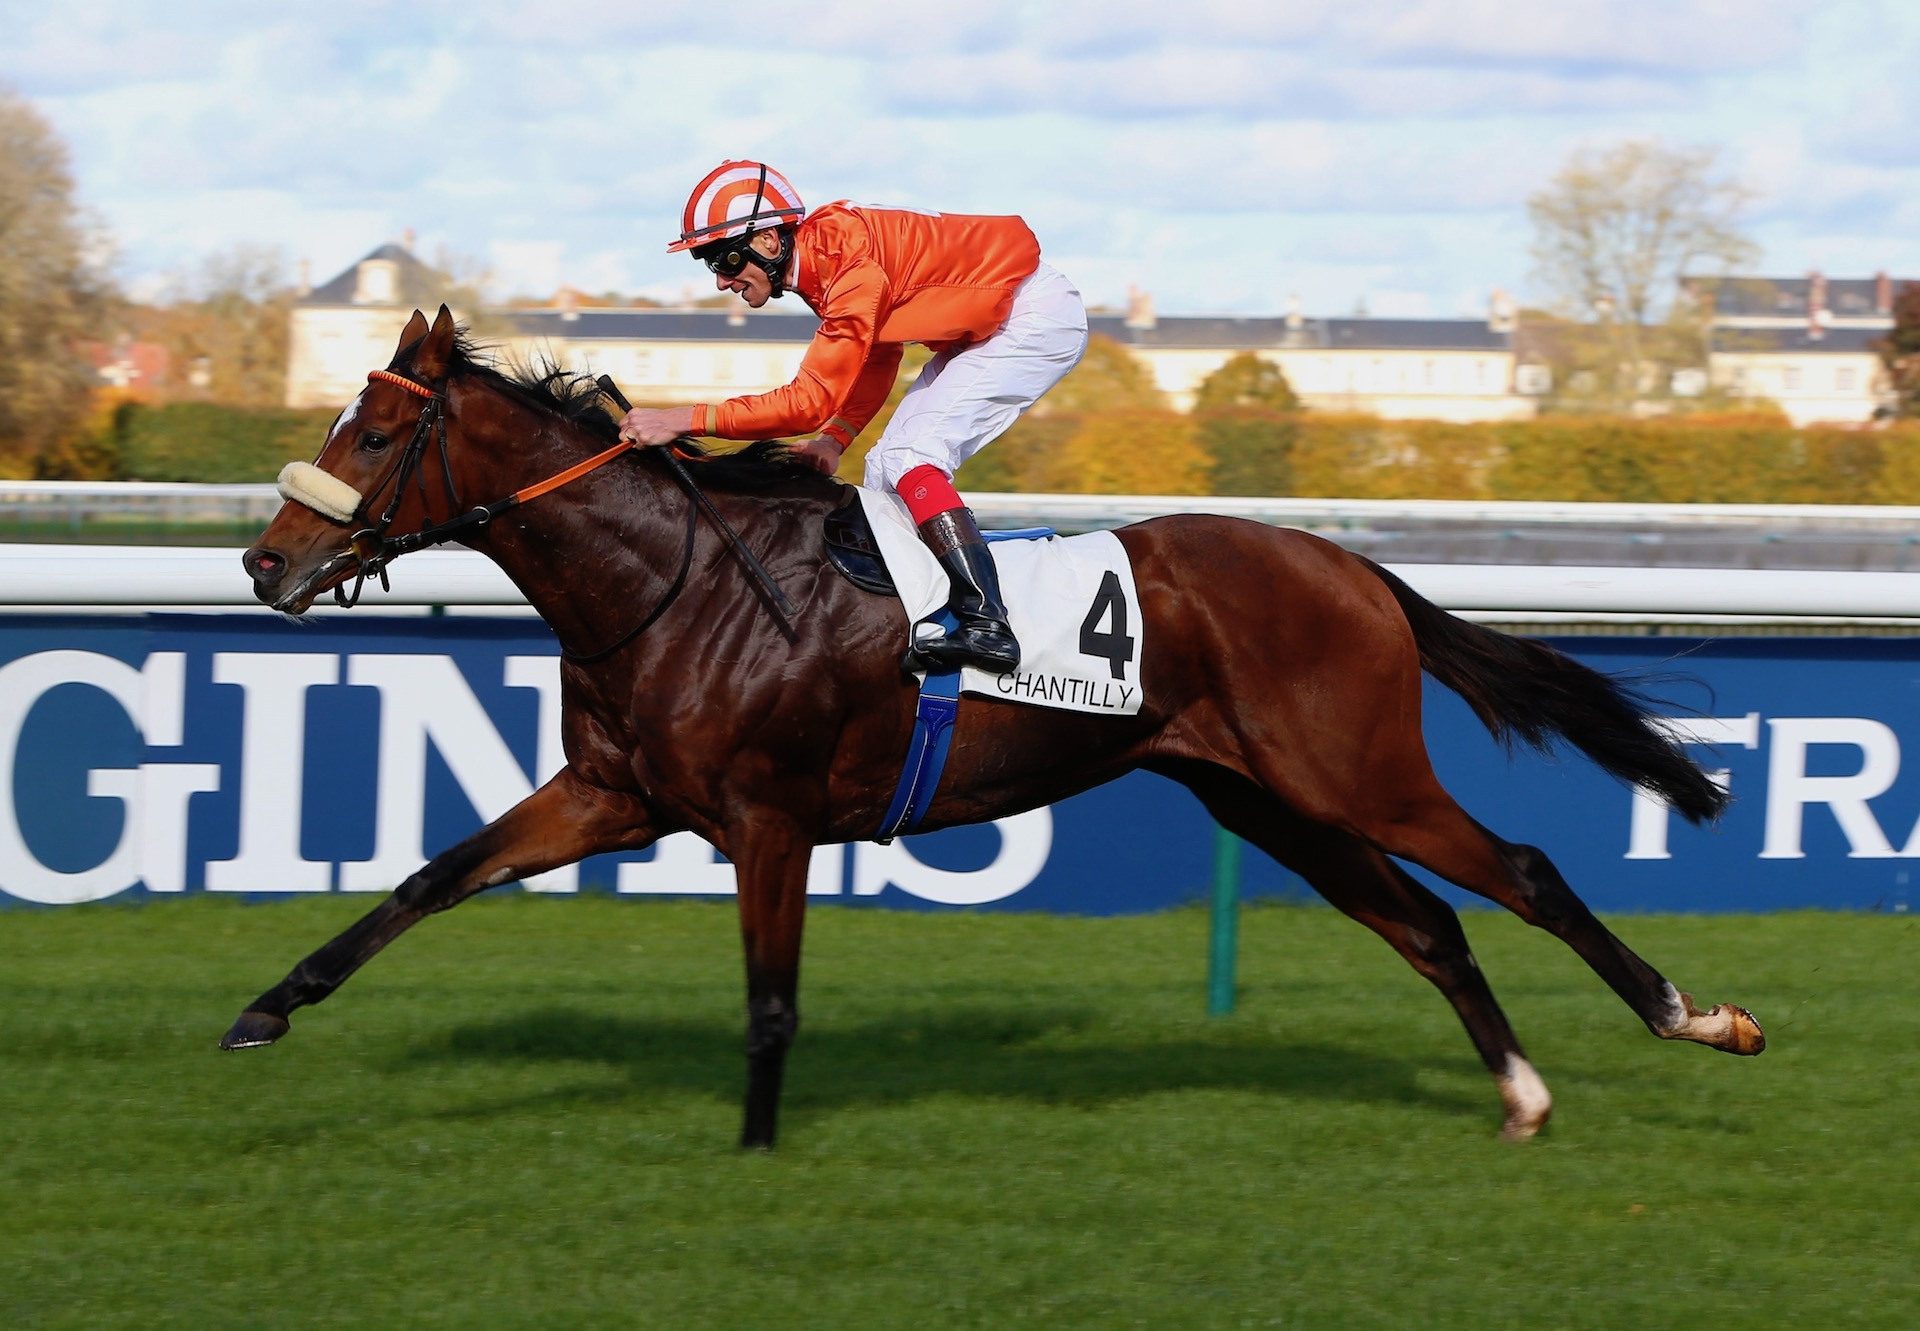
1724 1026
253 1029
1526 1100
1745 1036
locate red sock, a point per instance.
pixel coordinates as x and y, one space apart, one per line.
928 493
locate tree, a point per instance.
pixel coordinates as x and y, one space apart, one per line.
230 318
1615 231
1900 351
1126 453
1245 414
1247 381
1108 378
51 298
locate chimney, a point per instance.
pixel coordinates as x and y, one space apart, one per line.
1817 315
304 283
1295 319
1502 314
569 302
406 240
1882 293
1139 309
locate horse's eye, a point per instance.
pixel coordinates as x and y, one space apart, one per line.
374 442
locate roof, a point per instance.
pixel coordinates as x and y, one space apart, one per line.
721 325
658 325
1307 334
1797 339
1786 297
418 286
421 286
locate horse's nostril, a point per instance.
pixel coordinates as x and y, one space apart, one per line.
264 565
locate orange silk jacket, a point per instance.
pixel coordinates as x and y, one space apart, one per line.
880 278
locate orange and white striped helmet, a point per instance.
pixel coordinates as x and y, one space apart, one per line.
733 199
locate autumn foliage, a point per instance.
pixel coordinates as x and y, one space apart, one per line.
1744 458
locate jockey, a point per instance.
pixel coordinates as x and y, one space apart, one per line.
1003 328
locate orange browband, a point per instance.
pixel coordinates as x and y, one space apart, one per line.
401 381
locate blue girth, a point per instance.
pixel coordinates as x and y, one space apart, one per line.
927 750
933 727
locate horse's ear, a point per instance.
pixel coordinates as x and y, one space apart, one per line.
415 330
431 360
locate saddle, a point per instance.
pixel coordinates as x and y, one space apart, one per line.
852 549
855 552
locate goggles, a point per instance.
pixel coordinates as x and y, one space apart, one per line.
728 259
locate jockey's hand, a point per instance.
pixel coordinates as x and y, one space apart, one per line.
656 425
821 452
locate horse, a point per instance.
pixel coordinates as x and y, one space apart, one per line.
1285 676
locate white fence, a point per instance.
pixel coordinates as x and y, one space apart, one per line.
79 501
129 577
144 576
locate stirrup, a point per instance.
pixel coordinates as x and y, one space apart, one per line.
955 650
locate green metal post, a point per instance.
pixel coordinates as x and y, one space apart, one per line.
1224 934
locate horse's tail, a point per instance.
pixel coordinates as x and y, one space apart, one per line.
1520 687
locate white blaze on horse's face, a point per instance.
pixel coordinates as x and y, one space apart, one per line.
324 493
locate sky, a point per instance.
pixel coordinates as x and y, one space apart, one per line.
1226 158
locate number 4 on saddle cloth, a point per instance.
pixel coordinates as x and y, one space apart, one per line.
1071 601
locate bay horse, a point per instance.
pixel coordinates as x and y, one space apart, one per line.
1285 676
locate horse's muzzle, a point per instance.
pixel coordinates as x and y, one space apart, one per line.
267 568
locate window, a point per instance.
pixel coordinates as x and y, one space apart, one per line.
1790 379
1843 379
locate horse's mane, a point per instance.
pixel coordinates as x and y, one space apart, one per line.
575 396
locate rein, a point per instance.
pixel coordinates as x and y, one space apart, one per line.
374 549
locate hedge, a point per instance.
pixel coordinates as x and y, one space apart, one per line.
1755 458
1751 458
198 441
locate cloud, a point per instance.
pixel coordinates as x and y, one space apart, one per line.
1247 85
1691 36
1382 148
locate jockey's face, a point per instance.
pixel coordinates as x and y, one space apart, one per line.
751 283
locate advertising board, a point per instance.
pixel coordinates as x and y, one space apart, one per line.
242 754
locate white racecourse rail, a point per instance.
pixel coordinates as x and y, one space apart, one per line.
146 576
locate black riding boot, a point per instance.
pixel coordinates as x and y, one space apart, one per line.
984 639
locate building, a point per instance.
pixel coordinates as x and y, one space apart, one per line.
1445 369
1431 369
347 326
1806 343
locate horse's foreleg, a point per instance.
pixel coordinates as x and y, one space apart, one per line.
772 873
562 822
1368 887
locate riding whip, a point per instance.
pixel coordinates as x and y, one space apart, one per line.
783 608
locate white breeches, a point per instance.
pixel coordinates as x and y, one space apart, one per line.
964 399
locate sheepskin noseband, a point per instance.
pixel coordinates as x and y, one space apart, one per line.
325 494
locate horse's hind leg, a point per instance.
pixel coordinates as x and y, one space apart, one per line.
1435 833
563 821
1370 888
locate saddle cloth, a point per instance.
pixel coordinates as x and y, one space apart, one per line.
1071 600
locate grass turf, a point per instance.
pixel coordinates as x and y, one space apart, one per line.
523 1116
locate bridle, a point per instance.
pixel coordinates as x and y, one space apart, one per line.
373 548
371 545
